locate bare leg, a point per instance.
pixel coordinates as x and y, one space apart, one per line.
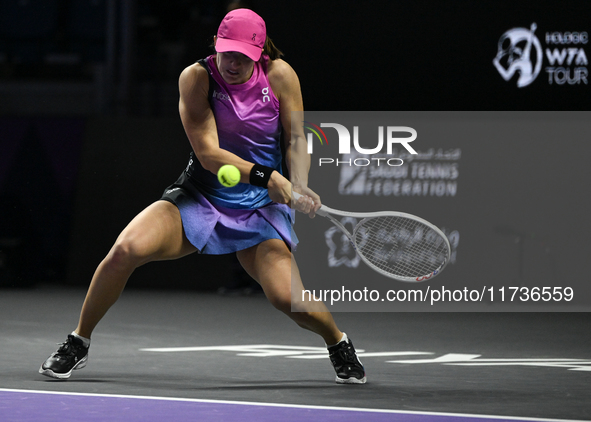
272 265
154 234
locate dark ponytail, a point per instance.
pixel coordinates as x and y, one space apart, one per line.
270 50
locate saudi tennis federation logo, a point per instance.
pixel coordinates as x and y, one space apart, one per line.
519 51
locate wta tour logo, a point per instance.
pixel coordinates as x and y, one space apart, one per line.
516 55
520 53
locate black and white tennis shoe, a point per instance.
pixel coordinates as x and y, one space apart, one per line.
348 367
71 355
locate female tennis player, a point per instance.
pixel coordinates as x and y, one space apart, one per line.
234 106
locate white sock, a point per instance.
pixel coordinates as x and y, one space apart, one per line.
85 341
344 338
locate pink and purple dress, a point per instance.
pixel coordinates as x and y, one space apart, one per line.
220 220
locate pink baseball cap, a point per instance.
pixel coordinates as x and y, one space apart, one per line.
243 31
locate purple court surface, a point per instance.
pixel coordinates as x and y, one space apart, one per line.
34 406
191 356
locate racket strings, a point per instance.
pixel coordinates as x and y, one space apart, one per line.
401 246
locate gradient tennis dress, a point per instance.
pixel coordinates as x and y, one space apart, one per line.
220 220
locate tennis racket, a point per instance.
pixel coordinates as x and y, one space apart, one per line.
397 245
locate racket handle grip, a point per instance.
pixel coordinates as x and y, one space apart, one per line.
321 211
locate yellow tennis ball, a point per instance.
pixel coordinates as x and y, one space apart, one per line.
229 175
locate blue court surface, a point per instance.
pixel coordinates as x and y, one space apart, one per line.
169 356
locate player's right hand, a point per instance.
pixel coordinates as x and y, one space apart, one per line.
308 203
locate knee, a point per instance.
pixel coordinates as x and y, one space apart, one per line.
281 300
124 255
295 309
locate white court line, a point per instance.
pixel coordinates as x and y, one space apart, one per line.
295 406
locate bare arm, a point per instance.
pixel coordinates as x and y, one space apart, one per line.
200 126
286 86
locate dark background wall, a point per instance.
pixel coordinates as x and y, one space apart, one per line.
89 133
419 55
